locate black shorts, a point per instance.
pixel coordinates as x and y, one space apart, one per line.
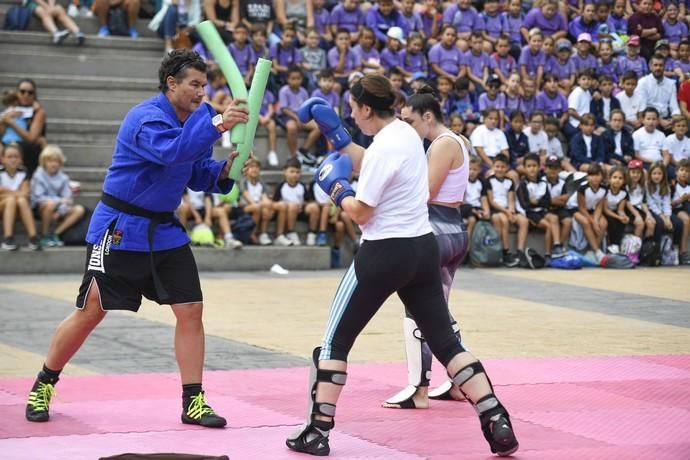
535 216
643 214
124 276
563 213
466 210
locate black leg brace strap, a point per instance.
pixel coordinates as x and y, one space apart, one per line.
326 376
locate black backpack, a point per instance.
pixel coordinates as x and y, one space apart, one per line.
650 254
117 21
76 234
242 228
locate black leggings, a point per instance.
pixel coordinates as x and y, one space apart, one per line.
615 230
659 228
408 266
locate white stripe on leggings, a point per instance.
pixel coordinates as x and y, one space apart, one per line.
342 298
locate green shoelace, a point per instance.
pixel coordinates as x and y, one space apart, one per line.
198 407
40 399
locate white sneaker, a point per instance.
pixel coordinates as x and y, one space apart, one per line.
60 36
294 238
231 242
311 239
85 12
273 159
265 240
599 255
72 10
282 240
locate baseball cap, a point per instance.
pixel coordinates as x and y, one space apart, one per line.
419 76
662 42
635 164
603 29
634 40
493 80
584 37
397 34
552 160
562 45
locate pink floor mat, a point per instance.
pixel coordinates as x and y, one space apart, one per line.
570 408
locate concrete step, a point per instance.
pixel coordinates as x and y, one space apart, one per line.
71 259
94 45
55 82
77 61
87 25
95 107
80 126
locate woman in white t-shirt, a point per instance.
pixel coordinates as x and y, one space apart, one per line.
399 254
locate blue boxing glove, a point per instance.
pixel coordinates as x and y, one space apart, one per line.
330 124
332 176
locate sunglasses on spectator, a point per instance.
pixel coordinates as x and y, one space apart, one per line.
30 92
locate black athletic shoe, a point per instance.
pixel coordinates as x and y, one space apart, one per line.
197 412
503 441
311 440
39 400
510 260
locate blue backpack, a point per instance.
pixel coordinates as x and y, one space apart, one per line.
570 261
17 18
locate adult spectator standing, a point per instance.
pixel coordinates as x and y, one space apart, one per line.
299 13
547 19
648 26
102 9
656 90
225 14
175 15
33 136
165 144
256 13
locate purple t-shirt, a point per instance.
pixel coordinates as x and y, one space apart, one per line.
475 63
581 63
447 59
511 26
637 65
674 33
413 62
670 64
531 61
552 106
486 103
342 18
683 66
210 91
332 97
390 59
365 55
259 53
609 68
351 59
242 56
289 99
203 52
347 110
463 20
512 104
617 24
492 24
284 56
321 18
527 106
380 23
505 64
535 18
414 22
268 99
577 26
427 24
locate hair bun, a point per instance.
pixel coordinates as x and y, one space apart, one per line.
426 89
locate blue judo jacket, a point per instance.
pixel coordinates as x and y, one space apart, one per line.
156 156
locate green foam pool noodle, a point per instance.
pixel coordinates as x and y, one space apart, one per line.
231 196
214 44
254 100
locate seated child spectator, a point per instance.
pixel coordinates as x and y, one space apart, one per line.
342 59
255 201
444 87
477 63
502 63
559 196
663 49
619 147
554 147
630 101
682 65
681 206
637 207
432 20
267 114
102 10
532 57
318 212
618 19
464 104
551 101
457 124
562 67
445 59
290 98
493 98
501 195
590 209
391 54
475 206
586 148
321 19
616 202
222 211
512 23
518 144
677 145
632 61
285 56
578 102
369 57
489 141
465 19
347 14
603 103
47 13
259 39
658 198
537 139
15 199
412 19
493 25
583 59
21 115
412 58
512 96
649 141
528 101
313 57
674 30
382 17
288 203
535 201
607 64
326 82
241 52
52 196
193 206
216 92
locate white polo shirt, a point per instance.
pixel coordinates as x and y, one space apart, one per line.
649 144
679 149
537 142
394 181
492 141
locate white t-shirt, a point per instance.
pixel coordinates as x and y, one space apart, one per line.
492 141
474 192
12 182
614 199
636 196
554 147
537 142
578 100
679 149
500 189
394 181
649 144
196 199
588 145
630 106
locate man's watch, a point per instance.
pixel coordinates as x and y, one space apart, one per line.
218 123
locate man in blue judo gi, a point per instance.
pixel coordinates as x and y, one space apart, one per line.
136 246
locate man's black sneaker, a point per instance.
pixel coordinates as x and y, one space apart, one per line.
197 412
39 400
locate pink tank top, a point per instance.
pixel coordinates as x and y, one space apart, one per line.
453 188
